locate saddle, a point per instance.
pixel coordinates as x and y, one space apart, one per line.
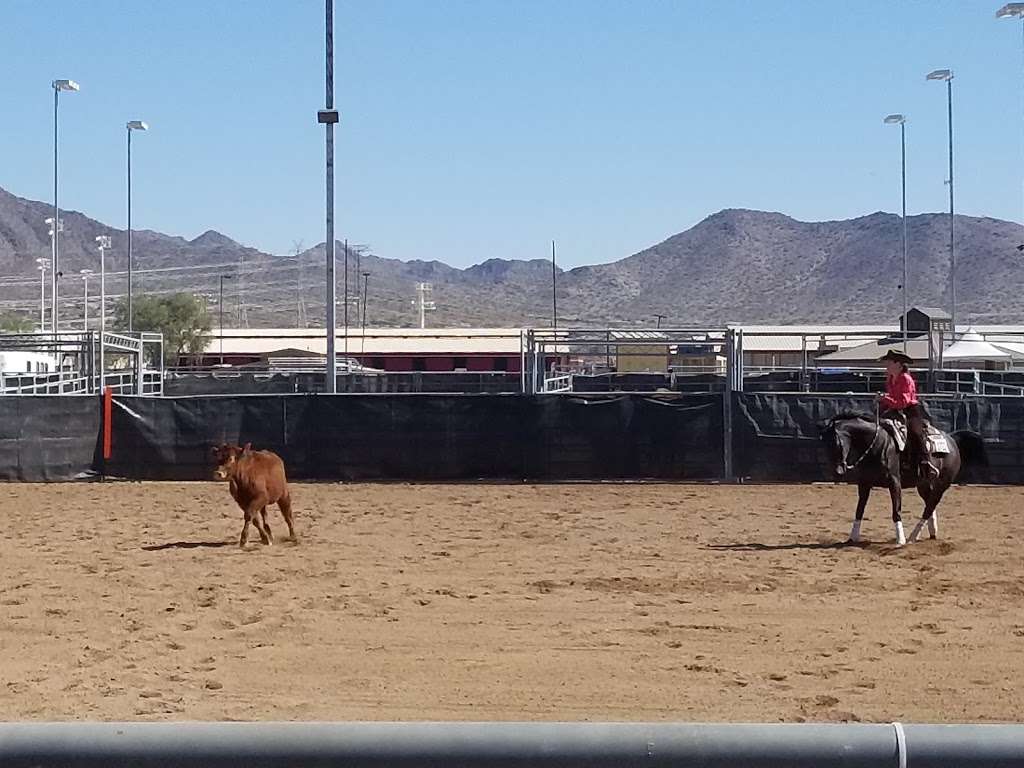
934 439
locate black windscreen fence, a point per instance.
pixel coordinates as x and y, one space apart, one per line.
426 437
46 438
663 435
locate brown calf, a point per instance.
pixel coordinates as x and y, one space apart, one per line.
256 479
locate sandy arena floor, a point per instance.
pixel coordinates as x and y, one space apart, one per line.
501 602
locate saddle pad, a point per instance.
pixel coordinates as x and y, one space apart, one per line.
937 443
898 430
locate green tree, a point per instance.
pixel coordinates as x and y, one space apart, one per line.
181 318
14 322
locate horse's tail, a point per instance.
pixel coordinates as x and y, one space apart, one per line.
972 452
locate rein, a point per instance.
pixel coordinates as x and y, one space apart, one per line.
864 454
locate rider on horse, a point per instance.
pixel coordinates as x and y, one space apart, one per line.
901 396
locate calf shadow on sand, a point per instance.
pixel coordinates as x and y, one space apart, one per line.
189 545
755 546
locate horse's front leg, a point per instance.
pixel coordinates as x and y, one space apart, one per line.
863 491
896 494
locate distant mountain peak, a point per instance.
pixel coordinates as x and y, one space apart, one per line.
211 239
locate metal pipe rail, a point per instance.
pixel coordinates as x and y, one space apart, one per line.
538 745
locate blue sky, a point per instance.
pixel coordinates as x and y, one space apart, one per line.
479 129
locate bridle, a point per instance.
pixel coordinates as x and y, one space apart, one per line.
864 454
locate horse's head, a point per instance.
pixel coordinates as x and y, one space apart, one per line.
837 446
838 435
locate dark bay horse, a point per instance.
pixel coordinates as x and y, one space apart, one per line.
859 447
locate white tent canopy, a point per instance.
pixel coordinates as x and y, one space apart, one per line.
972 346
1014 348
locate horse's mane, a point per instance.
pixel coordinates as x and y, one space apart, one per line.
849 415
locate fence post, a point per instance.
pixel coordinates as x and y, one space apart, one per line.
522 362
932 383
730 383
140 366
804 383
90 362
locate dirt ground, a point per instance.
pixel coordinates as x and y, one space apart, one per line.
507 602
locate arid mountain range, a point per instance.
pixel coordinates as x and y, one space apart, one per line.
734 266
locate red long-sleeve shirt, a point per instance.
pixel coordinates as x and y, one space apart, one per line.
900 392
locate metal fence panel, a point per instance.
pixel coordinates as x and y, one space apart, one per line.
508 745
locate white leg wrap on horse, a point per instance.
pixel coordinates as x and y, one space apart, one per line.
933 525
855 531
914 534
901 537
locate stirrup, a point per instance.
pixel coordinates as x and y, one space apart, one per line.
927 469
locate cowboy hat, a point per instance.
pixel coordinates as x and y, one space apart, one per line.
898 357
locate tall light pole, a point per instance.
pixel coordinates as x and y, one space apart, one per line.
58 86
131 125
44 264
329 117
1013 11
901 121
86 274
103 243
947 76
220 306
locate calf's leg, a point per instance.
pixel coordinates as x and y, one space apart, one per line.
251 510
265 535
285 505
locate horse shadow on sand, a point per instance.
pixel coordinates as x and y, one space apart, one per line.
755 546
883 548
189 545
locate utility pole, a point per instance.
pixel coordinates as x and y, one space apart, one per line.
86 274
221 308
345 291
366 290
425 305
300 301
554 289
